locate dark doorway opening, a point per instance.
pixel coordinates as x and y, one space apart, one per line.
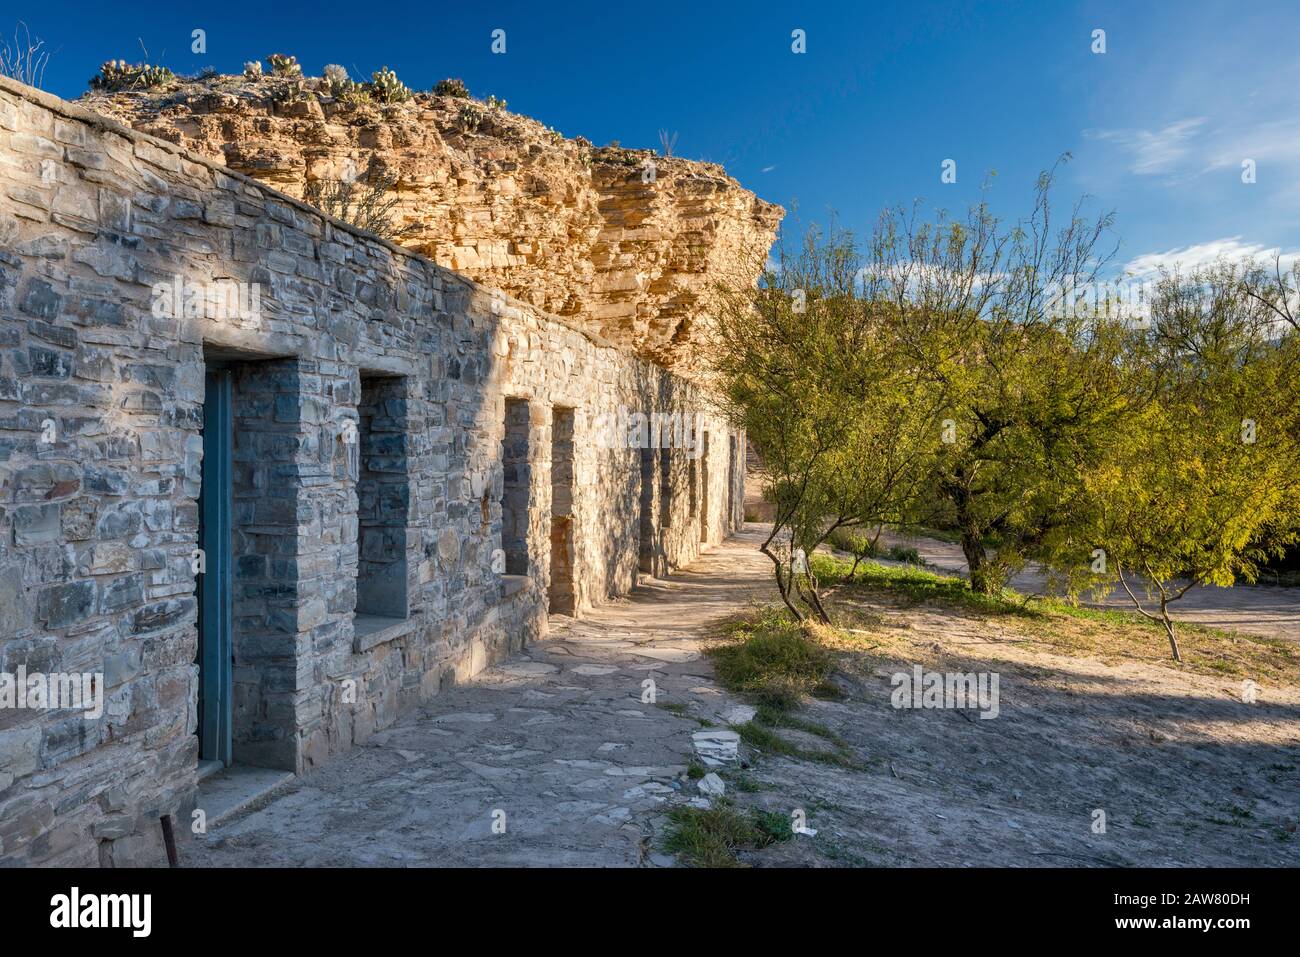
704 487
515 487
213 565
383 503
731 481
646 523
561 594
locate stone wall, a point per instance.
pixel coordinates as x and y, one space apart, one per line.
369 409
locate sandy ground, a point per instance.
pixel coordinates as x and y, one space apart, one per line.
558 746
1185 772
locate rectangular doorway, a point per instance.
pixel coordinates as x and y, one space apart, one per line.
646 522
731 482
215 572
516 487
704 488
560 593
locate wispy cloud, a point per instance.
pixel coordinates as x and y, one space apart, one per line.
1272 142
1233 249
1154 151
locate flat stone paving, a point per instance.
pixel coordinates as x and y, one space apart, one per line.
549 759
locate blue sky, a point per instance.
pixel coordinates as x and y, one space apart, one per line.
1159 123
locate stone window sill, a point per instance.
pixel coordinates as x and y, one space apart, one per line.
513 585
372 630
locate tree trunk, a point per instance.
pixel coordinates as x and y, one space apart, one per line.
1169 630
972 546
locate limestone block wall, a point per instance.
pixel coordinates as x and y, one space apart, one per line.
369 410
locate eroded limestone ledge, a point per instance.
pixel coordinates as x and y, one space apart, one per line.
574 230
101 418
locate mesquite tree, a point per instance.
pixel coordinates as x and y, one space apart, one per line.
1201 485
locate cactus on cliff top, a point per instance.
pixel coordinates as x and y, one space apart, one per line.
385 87
115 75
452 86
282 65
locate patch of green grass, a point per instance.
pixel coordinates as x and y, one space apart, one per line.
904 553
916 584
765 739
674 707
711 837
774 824
695 770
772 660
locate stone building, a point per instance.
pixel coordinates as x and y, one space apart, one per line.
271 482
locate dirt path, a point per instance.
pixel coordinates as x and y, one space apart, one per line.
558 744
1271 611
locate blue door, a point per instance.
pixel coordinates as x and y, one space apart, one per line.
214 580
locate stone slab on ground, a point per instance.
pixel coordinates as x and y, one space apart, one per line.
225 793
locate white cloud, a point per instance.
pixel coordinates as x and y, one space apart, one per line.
1276 142
1188 258
1158 151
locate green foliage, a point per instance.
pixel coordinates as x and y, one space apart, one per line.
918 585
452 86
1201 485
771 659
295 91
494 104
470 117
710 837
947 376
282 65
385 87
863 546
117 75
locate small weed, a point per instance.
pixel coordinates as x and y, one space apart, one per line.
763 738
711 837
773 660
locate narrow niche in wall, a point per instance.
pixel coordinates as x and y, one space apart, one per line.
561 591
731 480
646 523
704 487
514 490
692 486
665 488
383 503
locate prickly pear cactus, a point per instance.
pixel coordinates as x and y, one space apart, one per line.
385 87
282 65
117 75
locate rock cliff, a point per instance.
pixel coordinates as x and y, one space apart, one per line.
631 250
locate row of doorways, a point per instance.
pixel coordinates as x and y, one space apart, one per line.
216 577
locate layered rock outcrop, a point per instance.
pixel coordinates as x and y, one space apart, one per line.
632 251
